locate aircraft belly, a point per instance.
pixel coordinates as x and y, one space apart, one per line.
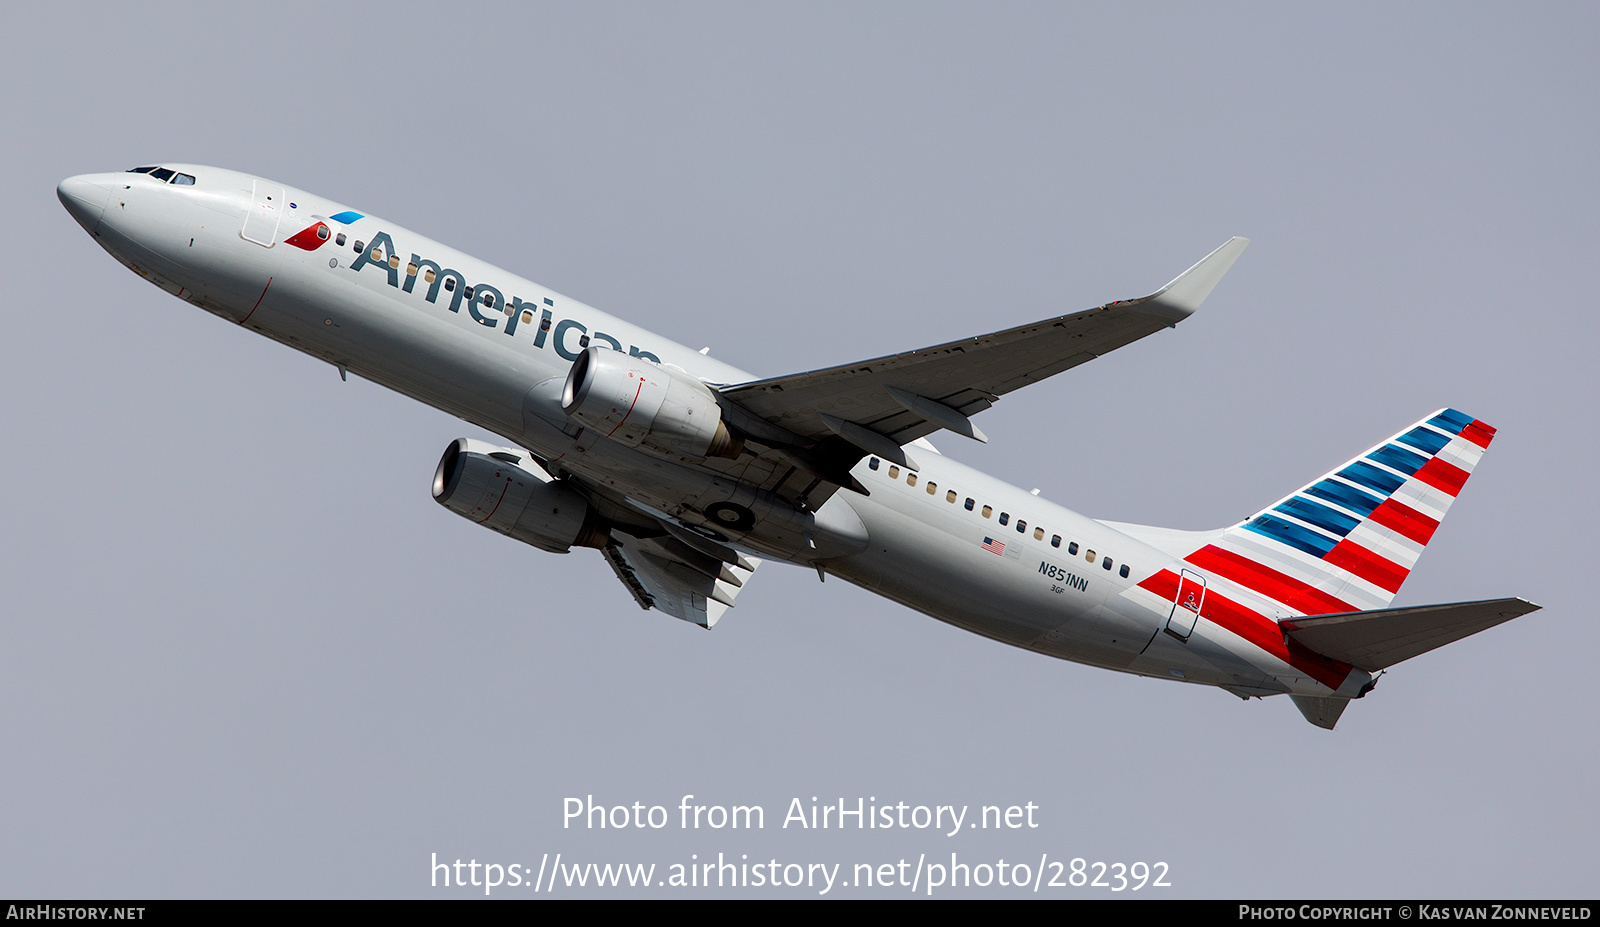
683 491
1103 638
953 578
1204 660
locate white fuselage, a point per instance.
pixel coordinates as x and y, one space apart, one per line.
498 359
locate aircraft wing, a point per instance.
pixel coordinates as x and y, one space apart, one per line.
685 582
880 404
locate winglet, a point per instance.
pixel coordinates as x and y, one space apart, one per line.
1178 299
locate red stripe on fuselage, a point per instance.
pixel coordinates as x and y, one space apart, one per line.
1406 520
1379 571
1445 477
1256 628
1478 433
1281 587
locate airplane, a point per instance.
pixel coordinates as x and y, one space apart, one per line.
685 473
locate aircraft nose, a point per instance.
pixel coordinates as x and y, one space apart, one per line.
85 198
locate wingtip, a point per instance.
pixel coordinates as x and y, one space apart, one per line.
1188 290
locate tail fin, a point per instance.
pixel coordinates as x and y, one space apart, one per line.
1323 712
1346 542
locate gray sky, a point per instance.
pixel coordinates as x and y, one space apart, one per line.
246 654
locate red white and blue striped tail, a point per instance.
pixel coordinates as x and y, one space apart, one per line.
1346 542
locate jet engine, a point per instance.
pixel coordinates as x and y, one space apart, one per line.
640 403
504 489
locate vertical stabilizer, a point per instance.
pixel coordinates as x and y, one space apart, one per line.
1323 712
1346 541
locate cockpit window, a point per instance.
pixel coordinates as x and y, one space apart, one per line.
165 176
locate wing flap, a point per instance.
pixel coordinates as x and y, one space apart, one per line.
687 583
1378 639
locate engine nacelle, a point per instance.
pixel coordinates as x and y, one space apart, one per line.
641 403
504 489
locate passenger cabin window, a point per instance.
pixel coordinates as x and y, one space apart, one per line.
1089 556
1005 517
988 510
1106 564
1055 541
1123 572
872 464
360 247
1072 548
950 497
1038 534
894 472
1022 526
427 275
322 232
932 487
450 283
527 316
338 240
411 270
970 503
911 478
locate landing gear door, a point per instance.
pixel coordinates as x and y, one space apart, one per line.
266 208
1187 605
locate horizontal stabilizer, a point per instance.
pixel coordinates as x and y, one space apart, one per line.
1375 640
